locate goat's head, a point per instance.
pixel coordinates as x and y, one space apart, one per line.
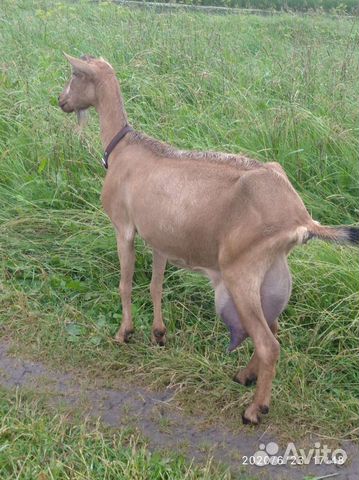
80 92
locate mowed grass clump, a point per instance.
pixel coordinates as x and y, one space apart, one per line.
282 88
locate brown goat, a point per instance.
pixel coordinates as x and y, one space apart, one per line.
228 217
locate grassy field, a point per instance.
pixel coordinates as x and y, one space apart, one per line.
283 88
332 6
37 445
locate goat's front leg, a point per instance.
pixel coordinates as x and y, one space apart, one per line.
158 270
126 253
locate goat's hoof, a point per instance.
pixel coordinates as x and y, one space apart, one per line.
250 381
264 409
124 337
159 337
246 380
252 415
251 421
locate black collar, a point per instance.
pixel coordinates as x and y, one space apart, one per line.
117 138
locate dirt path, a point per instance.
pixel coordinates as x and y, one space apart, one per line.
165 427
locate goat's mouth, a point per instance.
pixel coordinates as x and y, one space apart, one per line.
64 107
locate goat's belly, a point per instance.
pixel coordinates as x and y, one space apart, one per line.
191 250
182 217
180 263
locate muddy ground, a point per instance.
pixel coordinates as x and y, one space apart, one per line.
160 420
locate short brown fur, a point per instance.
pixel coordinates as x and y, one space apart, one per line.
229 217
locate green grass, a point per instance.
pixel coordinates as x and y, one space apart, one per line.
332 6
36 445
281 88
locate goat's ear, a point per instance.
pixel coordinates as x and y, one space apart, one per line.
79 65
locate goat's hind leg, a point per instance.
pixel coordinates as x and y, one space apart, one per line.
126 253
227 310
243 280
275 294
158 270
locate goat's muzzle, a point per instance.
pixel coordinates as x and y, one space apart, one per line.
64 107
62 101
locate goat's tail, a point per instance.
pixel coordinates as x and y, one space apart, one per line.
347 235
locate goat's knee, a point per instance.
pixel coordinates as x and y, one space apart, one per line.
268 352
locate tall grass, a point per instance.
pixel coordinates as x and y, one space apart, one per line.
333 6
283 88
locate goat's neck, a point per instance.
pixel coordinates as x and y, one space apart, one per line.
111 110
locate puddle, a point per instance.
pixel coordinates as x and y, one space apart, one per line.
162 423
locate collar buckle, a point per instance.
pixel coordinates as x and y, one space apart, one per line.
104 160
